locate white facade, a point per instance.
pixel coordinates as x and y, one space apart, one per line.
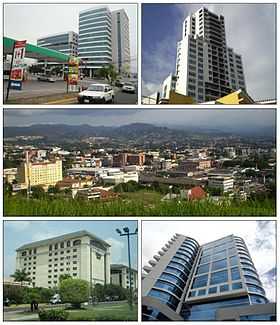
120 177
79 254
120 276
168 84
206 68
223 183
120 41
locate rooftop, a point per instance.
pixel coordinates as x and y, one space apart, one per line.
71 235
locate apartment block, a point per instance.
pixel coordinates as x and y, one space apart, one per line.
120 41
66 43
46 173
214 281
80 254
120 276
206 68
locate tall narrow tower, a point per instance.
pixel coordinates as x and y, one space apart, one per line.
206 68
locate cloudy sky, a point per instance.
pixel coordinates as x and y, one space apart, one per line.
250 30
225 119
260 238
17 233
32 21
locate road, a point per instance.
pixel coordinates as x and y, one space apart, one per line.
34 88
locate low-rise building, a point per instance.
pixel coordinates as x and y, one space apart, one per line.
10 175
120 276
120 177
221 182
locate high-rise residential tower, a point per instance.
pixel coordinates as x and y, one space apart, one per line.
215 281
104 39
206 68
81 254
120 41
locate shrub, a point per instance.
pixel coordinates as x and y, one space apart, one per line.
53 315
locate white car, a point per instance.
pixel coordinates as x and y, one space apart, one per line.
97 93
128 87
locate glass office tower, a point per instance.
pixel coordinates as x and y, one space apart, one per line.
215 281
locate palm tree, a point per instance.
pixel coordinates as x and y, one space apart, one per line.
21 276
108 72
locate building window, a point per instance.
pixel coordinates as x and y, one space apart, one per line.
219 277
61 245
77 242
23 254
56 246
235 274
201 292
68 243
219 265
200 281
203 269
237 286
224 287
212 290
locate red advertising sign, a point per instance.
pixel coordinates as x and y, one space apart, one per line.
17 68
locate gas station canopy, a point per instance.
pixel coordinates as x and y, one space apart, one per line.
36 52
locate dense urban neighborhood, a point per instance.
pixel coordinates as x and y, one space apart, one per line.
137 169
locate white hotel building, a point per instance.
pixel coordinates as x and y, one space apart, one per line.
206 68
103 39
80 254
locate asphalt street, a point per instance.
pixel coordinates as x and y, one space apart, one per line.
34 88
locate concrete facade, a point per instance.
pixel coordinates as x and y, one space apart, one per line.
206 68
120 276
81 255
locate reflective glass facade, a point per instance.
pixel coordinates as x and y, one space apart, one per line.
95 37
198 281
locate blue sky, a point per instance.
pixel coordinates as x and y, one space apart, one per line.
17 233
250 30
259 236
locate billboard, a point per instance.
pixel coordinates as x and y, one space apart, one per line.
73 73
17 65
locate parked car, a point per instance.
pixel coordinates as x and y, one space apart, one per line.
55 299
119 83
97 93
128 87
46 78
6 302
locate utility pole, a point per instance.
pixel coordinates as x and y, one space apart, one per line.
127 233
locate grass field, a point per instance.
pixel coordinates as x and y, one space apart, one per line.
110 312
135 204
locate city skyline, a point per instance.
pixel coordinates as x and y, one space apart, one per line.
18 14
260 237
230 119
159 44
14 237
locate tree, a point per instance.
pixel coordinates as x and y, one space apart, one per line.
21 276
8 188
53 190
108 72
63 277
37 192
74 291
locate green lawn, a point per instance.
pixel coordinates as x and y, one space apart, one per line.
110 312
135 204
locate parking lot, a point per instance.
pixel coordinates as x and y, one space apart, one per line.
33 90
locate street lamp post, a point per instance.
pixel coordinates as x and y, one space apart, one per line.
127 233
